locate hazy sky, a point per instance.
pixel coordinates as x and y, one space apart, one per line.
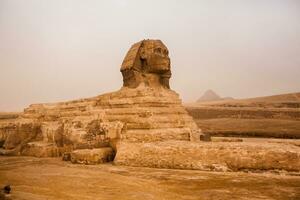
59 50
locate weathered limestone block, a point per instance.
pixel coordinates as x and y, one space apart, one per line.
78 132
220 156
40 149
7 121
92 156
89 132
3 136
53 132
153 135
149 114
113 132
21 132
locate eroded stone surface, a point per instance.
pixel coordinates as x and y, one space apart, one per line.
92 156
220 156
40 149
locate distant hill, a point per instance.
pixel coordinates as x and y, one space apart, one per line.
290 97
210 95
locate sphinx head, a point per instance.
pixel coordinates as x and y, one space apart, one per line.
147 62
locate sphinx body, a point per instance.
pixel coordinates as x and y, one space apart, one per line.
145 109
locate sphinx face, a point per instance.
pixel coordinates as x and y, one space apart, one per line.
156 57
147 62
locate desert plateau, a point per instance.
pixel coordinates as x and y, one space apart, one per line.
262 117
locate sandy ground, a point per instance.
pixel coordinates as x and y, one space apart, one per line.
50 178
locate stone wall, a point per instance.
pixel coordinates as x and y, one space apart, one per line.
221 156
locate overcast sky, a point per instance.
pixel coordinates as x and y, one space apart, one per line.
60 50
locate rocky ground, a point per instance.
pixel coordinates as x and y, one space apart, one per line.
50 178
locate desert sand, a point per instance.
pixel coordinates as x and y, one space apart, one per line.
50 178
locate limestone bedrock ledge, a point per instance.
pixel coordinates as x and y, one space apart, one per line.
92 156
220 156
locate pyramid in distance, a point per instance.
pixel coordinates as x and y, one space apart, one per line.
209 95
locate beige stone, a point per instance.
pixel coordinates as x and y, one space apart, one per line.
219 156
92 156
20 132
40 149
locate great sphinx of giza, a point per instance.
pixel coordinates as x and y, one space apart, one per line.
145 109
142 124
